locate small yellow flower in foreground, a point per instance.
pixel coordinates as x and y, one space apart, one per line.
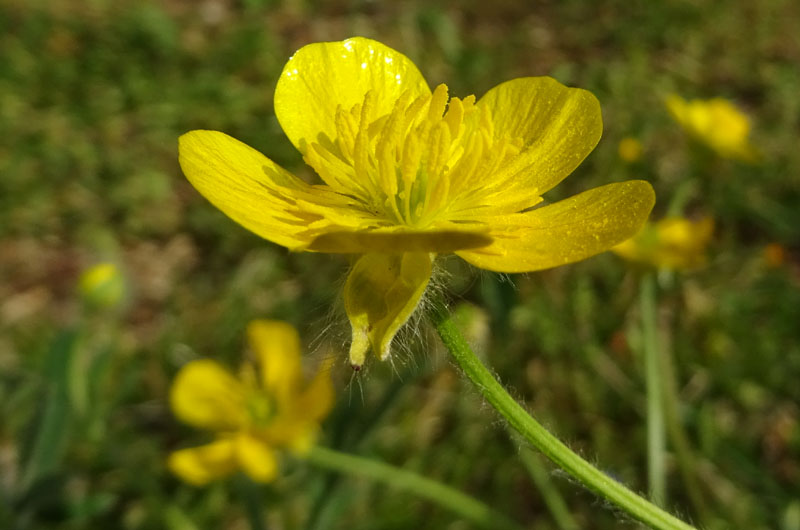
102 285
408 173
630 149
269 408
672 243
717 123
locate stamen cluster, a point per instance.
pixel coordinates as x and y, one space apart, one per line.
424 162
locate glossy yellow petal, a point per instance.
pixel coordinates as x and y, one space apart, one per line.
204 394
201 465
325 76
381 293
247 186
277 348
567 231
558 127
256 458
398 241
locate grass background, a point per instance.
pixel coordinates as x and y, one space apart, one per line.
93 96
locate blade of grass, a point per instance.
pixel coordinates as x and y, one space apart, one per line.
465 506
52 431
656 437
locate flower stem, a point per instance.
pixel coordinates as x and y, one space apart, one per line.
656 438
467 507
581 470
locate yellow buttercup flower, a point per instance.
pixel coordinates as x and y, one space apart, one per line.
672 243
266 410
717 123
408 173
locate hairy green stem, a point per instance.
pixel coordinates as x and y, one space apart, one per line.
656 438
465 506
581 470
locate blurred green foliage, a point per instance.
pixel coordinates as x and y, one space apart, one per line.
93 96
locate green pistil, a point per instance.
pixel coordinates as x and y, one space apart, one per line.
260 409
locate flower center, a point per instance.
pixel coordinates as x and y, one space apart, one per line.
426 160
260 409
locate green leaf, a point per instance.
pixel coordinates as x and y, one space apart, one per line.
52 431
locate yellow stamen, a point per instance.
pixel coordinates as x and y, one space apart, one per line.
424 162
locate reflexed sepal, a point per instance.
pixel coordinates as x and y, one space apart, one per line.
381 293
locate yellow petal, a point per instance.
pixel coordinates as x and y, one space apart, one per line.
439 241
277 347
286 429
201 465
316 400
567 231
256 458
380 294
247 186
303 443
204 394
297 424
322 76
678 107
558 126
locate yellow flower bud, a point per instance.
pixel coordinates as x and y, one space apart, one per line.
102 285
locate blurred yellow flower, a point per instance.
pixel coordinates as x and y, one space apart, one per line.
267 409
102 285
630 149
717 123
672 243
408 173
